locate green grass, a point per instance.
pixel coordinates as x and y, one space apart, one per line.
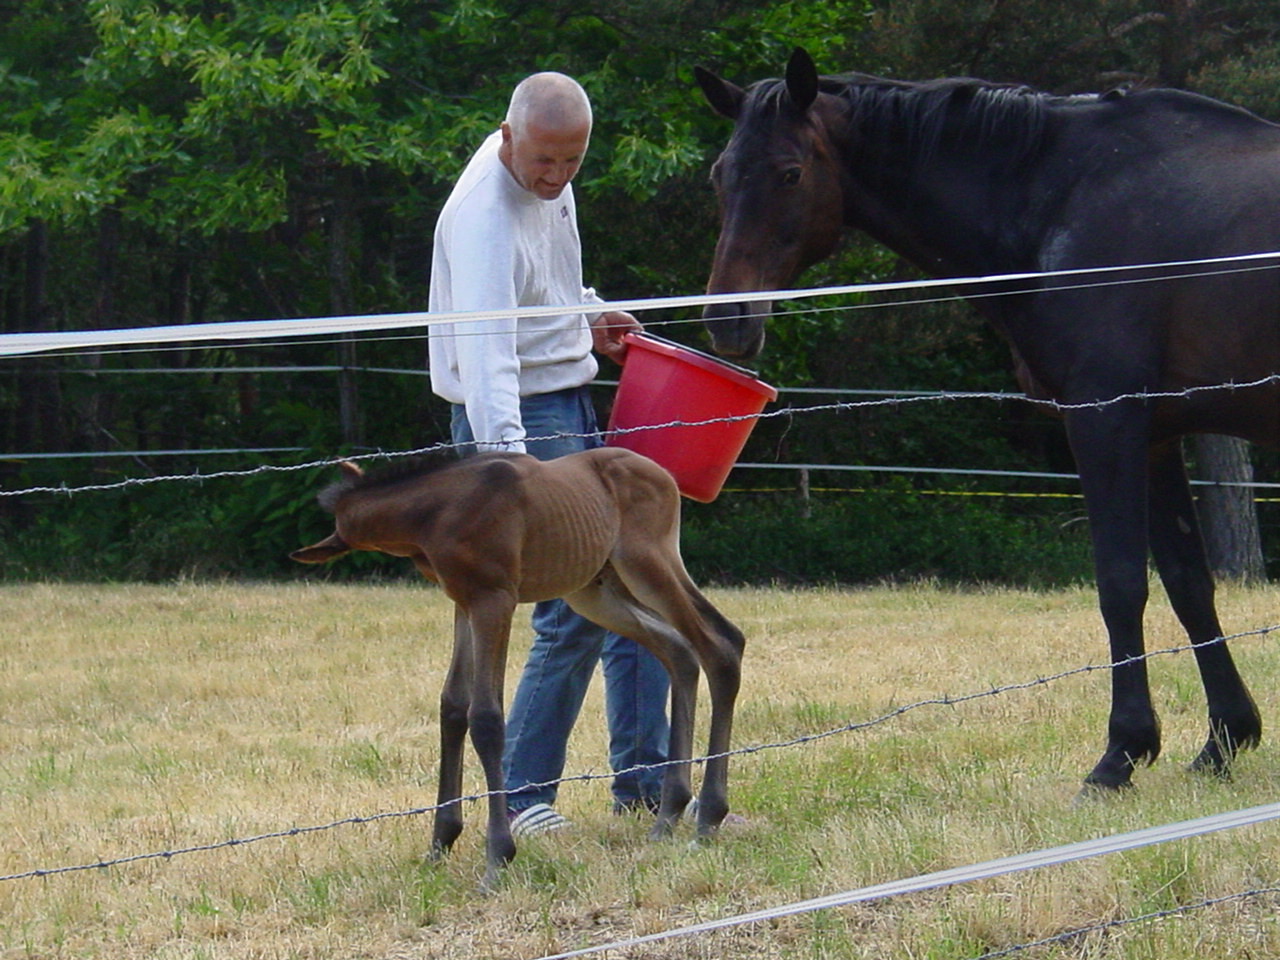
138 719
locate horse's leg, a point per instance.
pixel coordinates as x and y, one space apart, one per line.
455 701
489 620
1176 543
607 602
655 575
1110 447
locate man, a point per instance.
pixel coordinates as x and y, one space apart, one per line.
508 238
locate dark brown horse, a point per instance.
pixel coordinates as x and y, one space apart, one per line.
600 529
966 178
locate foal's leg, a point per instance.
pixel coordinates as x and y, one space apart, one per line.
455 702
661 582
1110 448
489 620
1176 543
721 658
607 602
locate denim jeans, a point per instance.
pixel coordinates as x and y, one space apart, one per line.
566 648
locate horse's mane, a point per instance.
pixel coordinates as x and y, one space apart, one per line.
926 114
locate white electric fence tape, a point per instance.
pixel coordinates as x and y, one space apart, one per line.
956 875
16 344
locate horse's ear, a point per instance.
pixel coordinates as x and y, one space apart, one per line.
802 79
350 470
725 97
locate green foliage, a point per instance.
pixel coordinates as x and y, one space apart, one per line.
175 161
889 533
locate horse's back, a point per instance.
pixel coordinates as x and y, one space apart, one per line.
1165 177
1164 174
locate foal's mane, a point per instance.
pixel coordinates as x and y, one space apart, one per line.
398 471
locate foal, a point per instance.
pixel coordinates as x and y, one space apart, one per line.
600 529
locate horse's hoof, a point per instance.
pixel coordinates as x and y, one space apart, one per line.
1212 763
1095 792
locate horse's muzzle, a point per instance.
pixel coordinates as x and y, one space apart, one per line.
737 329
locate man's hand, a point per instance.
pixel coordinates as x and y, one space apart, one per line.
607 333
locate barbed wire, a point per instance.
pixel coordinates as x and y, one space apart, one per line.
797 741
840 405
1128 921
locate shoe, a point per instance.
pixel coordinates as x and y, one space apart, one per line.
540 818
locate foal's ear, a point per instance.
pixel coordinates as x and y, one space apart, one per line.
330 548
802 79
724 97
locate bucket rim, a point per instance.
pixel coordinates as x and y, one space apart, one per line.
701 360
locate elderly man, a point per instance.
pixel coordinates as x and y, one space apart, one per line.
508 238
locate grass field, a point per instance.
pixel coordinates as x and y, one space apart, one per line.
140 719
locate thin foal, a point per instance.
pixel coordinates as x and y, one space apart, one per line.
600 529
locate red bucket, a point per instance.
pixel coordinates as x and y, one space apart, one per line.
663 382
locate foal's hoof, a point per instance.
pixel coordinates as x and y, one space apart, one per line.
661 829
491 882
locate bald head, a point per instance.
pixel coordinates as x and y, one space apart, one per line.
550 101
545 135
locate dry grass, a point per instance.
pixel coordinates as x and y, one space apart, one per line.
138 719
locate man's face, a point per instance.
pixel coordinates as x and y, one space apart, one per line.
544 159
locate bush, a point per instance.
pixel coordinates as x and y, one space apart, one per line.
891 533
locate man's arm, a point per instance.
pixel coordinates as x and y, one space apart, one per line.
483 278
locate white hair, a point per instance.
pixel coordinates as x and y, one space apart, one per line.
549 99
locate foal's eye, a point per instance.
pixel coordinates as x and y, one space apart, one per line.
791 176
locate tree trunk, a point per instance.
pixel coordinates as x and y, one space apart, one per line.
1178 42
99 406
1228 515
39 419
341 225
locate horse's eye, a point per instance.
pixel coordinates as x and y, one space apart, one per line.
790 176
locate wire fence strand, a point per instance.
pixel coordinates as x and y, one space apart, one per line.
839 406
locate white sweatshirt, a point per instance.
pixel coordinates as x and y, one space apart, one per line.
498 246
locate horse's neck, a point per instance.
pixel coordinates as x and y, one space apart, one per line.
946 225
942 207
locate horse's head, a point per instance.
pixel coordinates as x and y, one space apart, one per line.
778 182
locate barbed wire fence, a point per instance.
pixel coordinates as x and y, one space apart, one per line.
965 874
18 345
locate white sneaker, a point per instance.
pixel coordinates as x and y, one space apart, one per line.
540 818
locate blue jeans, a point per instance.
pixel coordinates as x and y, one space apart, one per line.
566 648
